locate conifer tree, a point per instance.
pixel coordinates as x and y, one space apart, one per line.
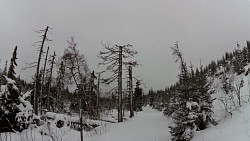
238 61
16 112
193 102
138 97
5 68
248 51
3 73
151 97
205 101
11 71
212 67
182 131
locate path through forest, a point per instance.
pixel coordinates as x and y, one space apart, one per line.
149 125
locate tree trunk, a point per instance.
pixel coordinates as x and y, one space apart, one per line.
97 97
131 92
50 79
80 116
120 118
37 72
44 68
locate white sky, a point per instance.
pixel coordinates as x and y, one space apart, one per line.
205 29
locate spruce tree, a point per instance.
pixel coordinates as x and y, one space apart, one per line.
182 130
193 102
205 101
11 71
151 97
238 61
138 97
3 73
248 51
15 111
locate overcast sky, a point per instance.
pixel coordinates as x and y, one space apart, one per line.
205 29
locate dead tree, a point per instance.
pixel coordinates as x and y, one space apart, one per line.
91 96
36 91
76 71
112 57
98 93
52 62
131 91
43 75
60 85
130 66
76 68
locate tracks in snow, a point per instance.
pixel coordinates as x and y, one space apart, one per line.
149 125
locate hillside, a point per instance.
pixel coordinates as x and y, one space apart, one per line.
234 126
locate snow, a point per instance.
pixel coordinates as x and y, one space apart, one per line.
230 129
51 115
189 105
233 127
148 125
11 82
26 95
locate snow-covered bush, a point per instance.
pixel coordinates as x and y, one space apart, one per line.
170 108
187 120
15 111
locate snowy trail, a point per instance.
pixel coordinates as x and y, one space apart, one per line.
149 125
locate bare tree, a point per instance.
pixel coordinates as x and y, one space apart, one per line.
98 93
52 62
130 78
231 86
44 38
76 72
43 77
76 67
112 57
60 85
131 91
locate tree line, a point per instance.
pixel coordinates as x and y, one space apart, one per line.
56 74
189 101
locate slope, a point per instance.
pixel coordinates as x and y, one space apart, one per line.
233 128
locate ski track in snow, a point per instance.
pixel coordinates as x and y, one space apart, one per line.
148 125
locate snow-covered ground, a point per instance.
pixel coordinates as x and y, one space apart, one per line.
148 125
235 128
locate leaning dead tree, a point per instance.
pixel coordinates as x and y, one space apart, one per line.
36 89
43 79
112 57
